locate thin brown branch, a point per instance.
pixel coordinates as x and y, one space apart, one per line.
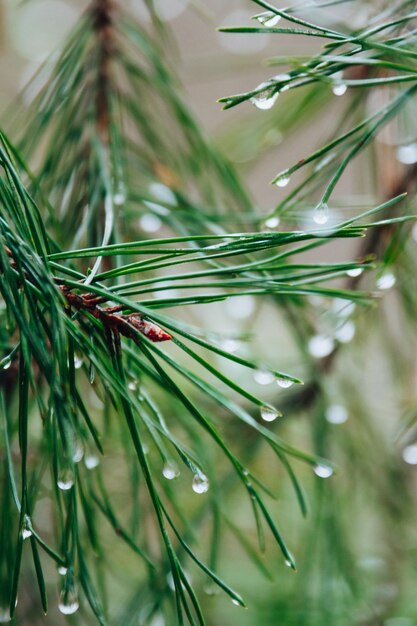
128 325
103 20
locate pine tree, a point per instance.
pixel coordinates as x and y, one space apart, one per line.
133 444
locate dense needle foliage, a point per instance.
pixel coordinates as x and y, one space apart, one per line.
120 222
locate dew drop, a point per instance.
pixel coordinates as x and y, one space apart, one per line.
119 197
386 281
65 480
343 307
266 98
282 181
163 193
410 454
150 223
407 154
91 461
263 377
323 471
210 589
78 452
268 19
26 531
328 158
4 615
320 346
235 602
200 483
272 222
5 363
78 361
68 601
284 383
339 89
132 385
355 272
230 345
268 413
336 414
156 209
240 308
62 570
288 563
170 471
346 332
321 214
280 78
170 581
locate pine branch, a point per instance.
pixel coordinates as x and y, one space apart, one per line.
146 157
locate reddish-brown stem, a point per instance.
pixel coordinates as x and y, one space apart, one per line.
102 11
129 325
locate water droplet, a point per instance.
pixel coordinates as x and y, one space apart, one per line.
241 307
339 89
336 414
26 531
170 471
282 181
119 197
272 222
163 193
78 451
268 19
288 563
210 589
62 570
78 361
323 471
170 581
343 308
268 413
150 223
346 332
320 346
266 97
263 377
91 461
156 209
321 214
5 363
230 345
407 154
4 615
280 78
386 281
324 161
65 480
200 483
355 272
132 385
234 601
284 383
68 601
410 454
